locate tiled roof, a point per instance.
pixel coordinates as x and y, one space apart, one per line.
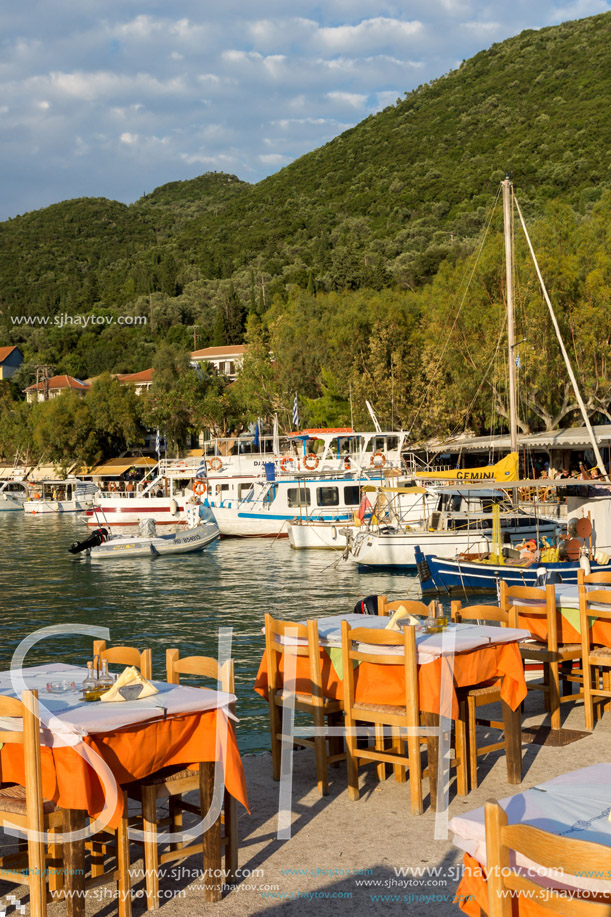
145 375
6 352
237 350
60 382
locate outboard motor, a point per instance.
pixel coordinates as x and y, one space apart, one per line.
366 606
97 537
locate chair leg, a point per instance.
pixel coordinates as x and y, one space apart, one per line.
460 742
554 694
230 810
176 817
379 746
55 863
151 851
336 743
124 881
37 879
352 762
472 739
415 774
400 770
275 727
588 706
320 748
546 693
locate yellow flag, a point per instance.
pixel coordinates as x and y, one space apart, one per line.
505 470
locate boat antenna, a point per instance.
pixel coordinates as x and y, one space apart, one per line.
584 413
377 426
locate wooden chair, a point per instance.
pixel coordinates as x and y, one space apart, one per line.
546 850
594 658
386 608
25 808
599 577
125 655
171 784
541 603
311 701
472 698
380 715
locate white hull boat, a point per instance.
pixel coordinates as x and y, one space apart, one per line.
101 545
62 496
322 536
13 495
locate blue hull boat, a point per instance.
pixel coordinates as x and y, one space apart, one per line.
454 576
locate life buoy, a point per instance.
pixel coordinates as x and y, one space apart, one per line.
37 496
200 488
347 463
215 463
378 455
285 462
311 461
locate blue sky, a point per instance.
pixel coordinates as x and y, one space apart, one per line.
111 99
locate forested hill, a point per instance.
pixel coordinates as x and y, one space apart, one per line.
381 206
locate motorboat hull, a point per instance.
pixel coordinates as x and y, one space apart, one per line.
184 542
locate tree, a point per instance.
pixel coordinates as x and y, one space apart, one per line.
115 415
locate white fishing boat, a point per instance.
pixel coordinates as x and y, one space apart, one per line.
147 542
463 521
13 495
68 495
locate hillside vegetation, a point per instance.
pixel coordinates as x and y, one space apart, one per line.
374 226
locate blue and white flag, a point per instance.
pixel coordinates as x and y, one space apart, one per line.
296 412
158 443
256 440
518 363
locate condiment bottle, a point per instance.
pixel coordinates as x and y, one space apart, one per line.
105 680
90 681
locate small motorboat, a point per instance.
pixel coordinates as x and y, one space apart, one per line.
199 533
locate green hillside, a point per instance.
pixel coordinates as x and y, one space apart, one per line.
389 208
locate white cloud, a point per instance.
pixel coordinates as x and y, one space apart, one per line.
101 98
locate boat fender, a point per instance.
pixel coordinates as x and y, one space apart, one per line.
584 563
173 507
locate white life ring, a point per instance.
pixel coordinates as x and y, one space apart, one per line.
378 455
215 464
288 459
311 461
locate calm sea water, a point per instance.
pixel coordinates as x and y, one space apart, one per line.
172 602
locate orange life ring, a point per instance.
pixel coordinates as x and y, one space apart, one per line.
200 488
285 461
215 463
311 461
379 455
37 496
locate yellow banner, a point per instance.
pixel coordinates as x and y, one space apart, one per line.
505 470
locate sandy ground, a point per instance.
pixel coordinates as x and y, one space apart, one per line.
345 857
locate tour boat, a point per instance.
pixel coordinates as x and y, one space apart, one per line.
69 495
13 495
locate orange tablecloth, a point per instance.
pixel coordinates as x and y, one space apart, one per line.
600 631
376 684
472 894
131 753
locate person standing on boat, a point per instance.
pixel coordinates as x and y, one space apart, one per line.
130 488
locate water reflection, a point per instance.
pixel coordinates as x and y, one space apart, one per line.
163 602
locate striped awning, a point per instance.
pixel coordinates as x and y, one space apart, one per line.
113 468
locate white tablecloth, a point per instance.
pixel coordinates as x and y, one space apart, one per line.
575 805
66 718
455 638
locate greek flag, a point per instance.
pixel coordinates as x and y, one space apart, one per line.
518 363
296 412
158 443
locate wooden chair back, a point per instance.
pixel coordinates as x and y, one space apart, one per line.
278 631
479 613
386 608
601 577
125 655
355 641
534 602
546 850
29 737
201 666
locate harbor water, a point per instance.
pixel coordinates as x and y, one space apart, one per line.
180 602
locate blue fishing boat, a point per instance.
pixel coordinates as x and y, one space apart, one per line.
465 575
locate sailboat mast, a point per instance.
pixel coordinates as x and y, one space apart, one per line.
513 409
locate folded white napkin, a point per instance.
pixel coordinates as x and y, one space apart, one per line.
130 685
399 615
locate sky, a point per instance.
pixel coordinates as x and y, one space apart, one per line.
101 98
